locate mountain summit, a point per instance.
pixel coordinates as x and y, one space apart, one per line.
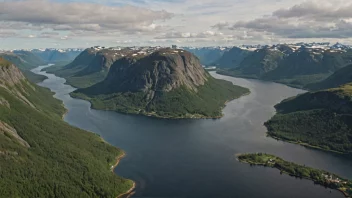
164 70
167 83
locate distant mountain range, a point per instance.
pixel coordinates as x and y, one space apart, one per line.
232 58
56 55
294 66
207 55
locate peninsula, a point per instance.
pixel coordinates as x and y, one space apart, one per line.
321 177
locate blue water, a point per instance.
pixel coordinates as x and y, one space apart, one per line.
196 158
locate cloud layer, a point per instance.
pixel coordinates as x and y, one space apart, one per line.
78 17
162 22
311 19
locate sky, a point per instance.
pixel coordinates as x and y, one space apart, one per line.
83 23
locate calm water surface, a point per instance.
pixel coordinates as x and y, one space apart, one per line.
196 158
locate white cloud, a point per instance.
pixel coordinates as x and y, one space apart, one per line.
182 35
7 34
31 14
311 19
187 22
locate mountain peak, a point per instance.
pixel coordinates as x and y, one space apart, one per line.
163 70
167 83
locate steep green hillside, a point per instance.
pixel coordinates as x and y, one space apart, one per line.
41 155
70 71
166 84
308 66
256 65
340 77
260 62
320 119
88 68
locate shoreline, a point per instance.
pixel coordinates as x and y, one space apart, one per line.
65 113
118 159
153 115
305 144
287 173
256 78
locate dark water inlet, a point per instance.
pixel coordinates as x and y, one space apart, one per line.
196 158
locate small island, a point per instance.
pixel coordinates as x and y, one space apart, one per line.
321 177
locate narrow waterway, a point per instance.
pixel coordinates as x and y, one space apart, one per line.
196 158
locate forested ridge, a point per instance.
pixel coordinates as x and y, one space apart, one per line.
322 119
42 156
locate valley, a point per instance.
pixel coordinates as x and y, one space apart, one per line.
175 99
206 145
172 84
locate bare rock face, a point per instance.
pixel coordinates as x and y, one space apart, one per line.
163 70
8 130
9 74
4 102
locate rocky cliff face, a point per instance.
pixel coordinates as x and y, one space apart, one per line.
9 74
163 70
166 83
